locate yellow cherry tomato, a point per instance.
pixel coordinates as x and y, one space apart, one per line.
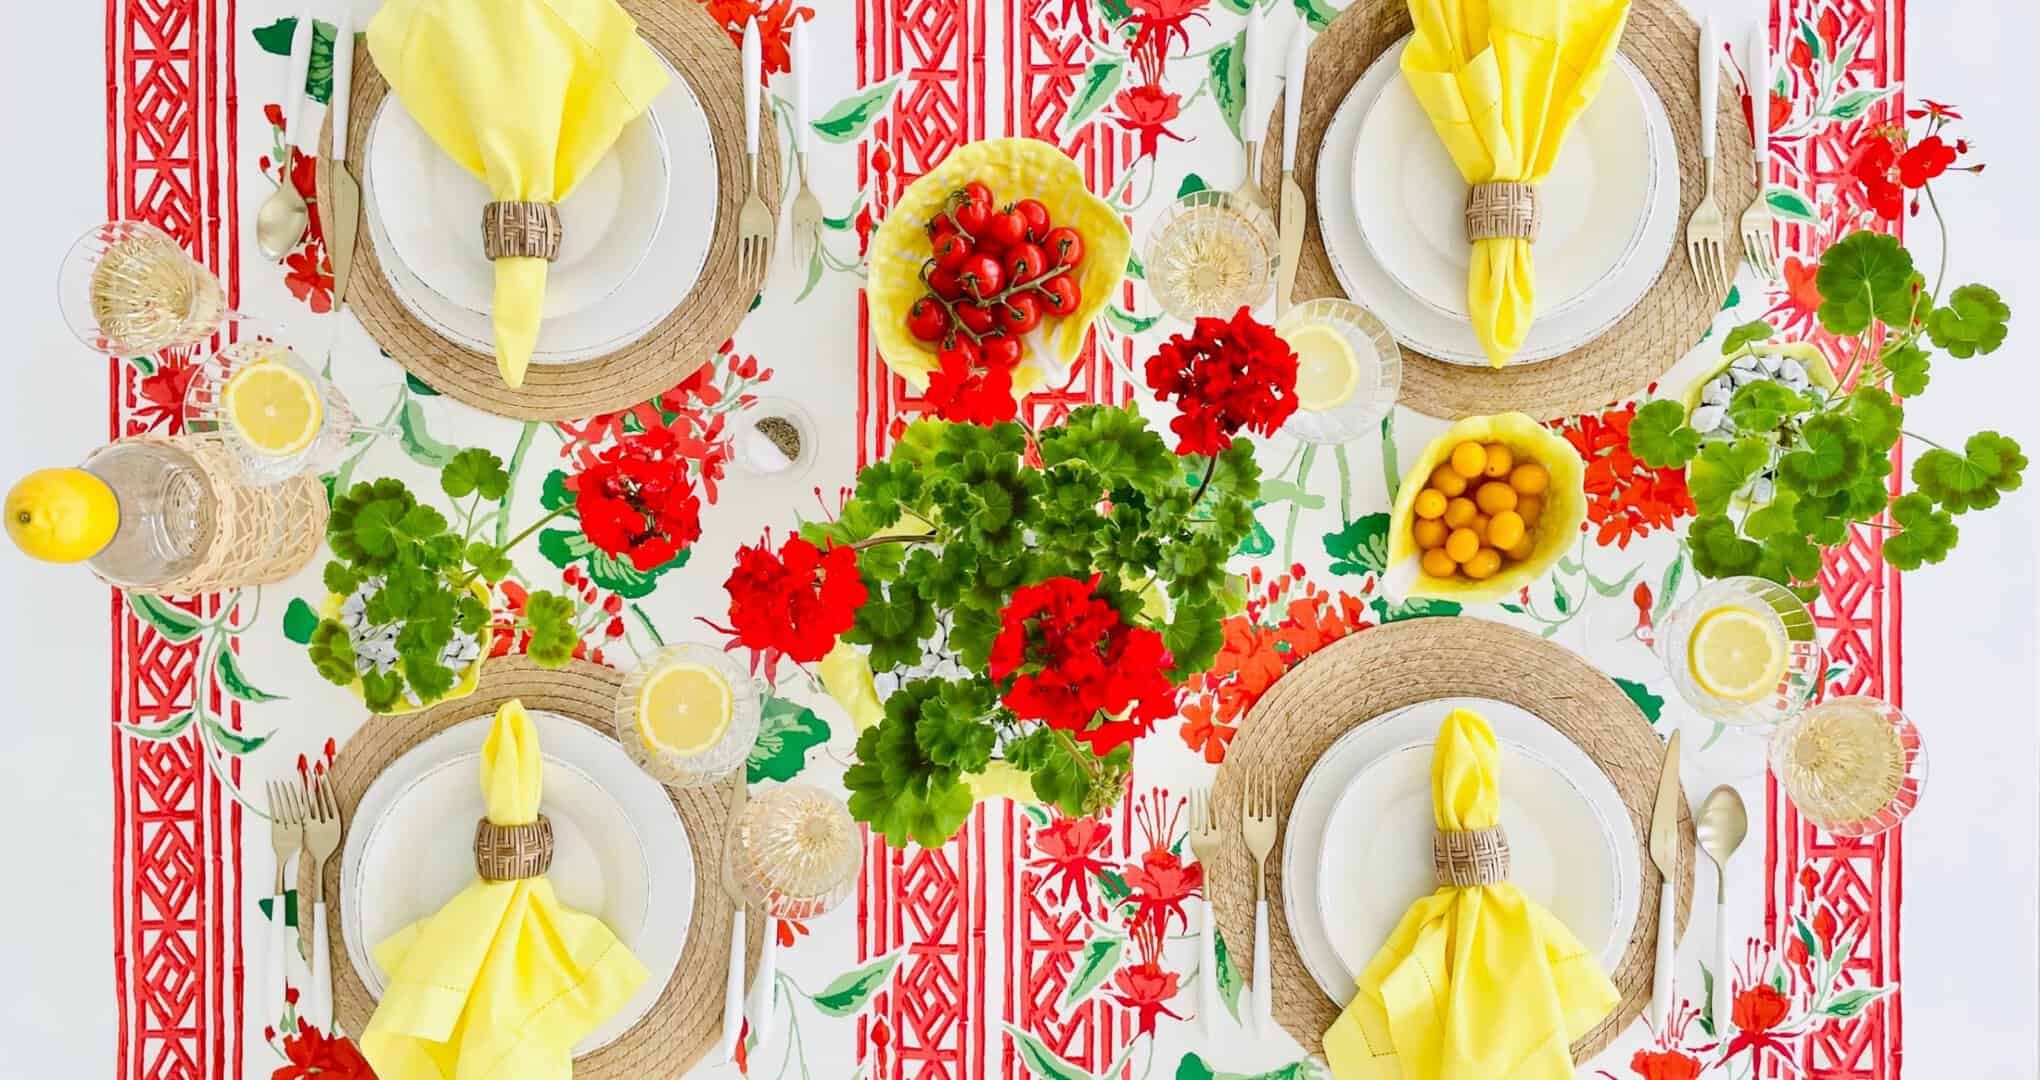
1524 549
1483 564
1530 508
1479 525
1430 533
1499 461
1430 503
1528 478
1460 511
1506 530
1438 564
1446 480
1495 497
1468 459
1462 544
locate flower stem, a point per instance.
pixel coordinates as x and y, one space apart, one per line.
532 528
1210 469
1921 438
926 538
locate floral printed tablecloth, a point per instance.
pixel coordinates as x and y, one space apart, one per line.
1032 944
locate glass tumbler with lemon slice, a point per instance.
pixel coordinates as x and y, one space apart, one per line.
1742 651
277 415
1348 370
688 715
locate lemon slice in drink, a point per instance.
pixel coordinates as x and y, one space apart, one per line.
1327 372
684 710
274 408
1737 654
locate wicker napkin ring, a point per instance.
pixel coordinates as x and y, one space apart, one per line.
513 852
1470 857
521 230
1502 210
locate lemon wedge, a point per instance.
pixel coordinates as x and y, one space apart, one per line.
684 709
274 408
1327 372
1737 654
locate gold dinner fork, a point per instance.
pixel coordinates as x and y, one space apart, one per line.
1758 223
754 222
1205 840
286 836
807 209
1258 828
1706 231
322 839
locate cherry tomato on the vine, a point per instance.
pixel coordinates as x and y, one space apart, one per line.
970 217
982 276
1019 314
979 192
1065 246
1000 352
976 318
1024 262
1036 215
961 349
944 283
927 320
1006 228
1060 295
951 249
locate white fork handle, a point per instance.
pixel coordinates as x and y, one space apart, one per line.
320 1009
1661 979
343 79
1760 96
1207 974
279 966
803 134
299 65
753 67
1264 984
733 991
1710 85
1254 124
761 984
1722 1008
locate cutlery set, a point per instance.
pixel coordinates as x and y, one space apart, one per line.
1260 824
304 819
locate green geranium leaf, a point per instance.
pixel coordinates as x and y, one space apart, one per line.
899 792
888 488
1973 322
1723 468
893 622
475 470
489 561
1829 459
382 691
1775 518
1909 366
1989 465
1756 331
1789 557
1659 437
1927 533
1865 276
1877 418
1717 549
332 653
1194 636
340 579
550 618
1762 406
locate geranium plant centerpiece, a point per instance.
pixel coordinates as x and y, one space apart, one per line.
1027 599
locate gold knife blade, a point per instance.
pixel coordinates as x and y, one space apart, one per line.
340 225
1294 211
1664 819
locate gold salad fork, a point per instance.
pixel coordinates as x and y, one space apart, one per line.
1706 230
322 839
1205 840
754 222
1258 827
807 209
286 836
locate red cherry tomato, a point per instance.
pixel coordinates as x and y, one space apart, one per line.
1037 219
1059 295
950 250
1019 314
1000 352
982 276
944 283
1006 228
979 192
969 217
976 318
939 228
1024 262
960 349
927 320
1065 246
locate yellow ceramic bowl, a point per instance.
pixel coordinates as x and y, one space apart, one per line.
1817 370
1015 169
1565 507
469 680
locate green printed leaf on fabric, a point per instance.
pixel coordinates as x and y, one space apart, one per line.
1227 77
171 623
1099 959
849 992
847 120
235 681
787 730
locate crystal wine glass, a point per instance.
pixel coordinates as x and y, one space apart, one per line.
1854 766
1211 254
127 289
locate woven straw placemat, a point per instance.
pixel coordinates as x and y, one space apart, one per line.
685 1021
1663 42
687 338
1384 669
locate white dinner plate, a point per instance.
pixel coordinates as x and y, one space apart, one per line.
1593 208
620 851
1359 848
669 269
1431 331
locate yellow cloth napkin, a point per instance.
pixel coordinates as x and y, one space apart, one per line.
1502 80
525 94
1476 983
503 981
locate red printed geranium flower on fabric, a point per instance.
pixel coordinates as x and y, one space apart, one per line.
308 277
1146 110
794 602
1226 377
1665 1065
636 502
1068 852
314 1054
1146 989
163 394
1076 665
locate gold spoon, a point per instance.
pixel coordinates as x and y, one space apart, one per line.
1722 823
281 220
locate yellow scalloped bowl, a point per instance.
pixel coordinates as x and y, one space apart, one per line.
1015 169
1565 507
1808 354
470 679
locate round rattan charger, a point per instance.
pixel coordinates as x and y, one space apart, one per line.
1663 42
684 1022
1367 675
700 50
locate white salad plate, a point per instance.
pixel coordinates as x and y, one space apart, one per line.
1359 846
630 268
620 851
1391 210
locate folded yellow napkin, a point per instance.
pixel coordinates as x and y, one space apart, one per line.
1502 80
504 980
1477 982
525 94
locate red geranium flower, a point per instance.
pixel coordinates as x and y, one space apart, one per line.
163 395
1226 377
636 502
314 1054
1929 107
308 278
1146 989
1146 110
1924 160
966 395
1626 499
1077 666
1160 885
794 603
1877 170
1665 1065
1068 849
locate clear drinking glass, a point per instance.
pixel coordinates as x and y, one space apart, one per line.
127 289
801 851
707 764
1788 623
1211 254
205 411
774 437
1854 766
1377 356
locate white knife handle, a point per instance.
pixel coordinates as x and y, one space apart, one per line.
1760 96
733 991
761 984
1264 983
1667 955
299 66
1710 85
321 995
1207 974
1255 123
280 939
343 80
1292 95
753 82
1722 1008
804 135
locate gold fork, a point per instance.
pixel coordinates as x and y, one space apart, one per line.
1258 828
1205 840
322 838
1758 223
754 222
1254 113
1706 232
286 836
807 210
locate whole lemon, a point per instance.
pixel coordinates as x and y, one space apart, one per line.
61 515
